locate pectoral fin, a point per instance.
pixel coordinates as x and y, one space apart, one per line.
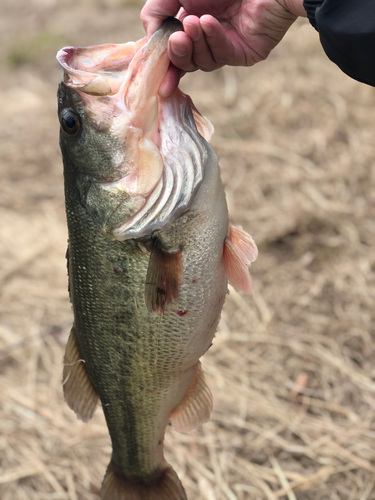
239 251
196 407
164 278
244 245
78 390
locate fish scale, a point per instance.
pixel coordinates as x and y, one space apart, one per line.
108 331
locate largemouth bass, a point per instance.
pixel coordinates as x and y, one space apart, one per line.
149 257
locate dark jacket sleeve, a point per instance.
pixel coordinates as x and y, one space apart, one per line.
347 34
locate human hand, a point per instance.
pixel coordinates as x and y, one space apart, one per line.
219 32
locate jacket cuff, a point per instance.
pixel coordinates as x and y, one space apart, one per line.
310 7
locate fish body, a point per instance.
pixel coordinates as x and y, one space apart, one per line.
148 257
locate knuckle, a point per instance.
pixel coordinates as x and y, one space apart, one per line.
187 65
206 67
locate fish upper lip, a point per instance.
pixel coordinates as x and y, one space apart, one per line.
84 72
169 26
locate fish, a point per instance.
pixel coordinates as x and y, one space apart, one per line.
150 253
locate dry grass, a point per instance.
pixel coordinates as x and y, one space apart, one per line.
292 369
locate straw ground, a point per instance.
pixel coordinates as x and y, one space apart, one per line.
292 368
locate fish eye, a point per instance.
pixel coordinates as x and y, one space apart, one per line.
70 121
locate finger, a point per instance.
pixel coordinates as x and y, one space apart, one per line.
181 14
202 56
180 50
171 81
219 43
154 12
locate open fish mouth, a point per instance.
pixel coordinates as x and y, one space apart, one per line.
164 138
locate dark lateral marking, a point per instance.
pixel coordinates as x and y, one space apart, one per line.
164 278
116 270
181 313
67 267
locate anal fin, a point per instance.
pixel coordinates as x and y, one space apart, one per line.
166 486
78 390
196 407
164 278
239 251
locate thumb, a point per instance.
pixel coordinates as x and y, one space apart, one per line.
154 12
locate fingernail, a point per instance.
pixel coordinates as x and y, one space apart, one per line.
207 28
178 49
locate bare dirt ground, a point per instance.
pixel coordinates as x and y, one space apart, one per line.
292 368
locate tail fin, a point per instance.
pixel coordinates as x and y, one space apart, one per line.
165 487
